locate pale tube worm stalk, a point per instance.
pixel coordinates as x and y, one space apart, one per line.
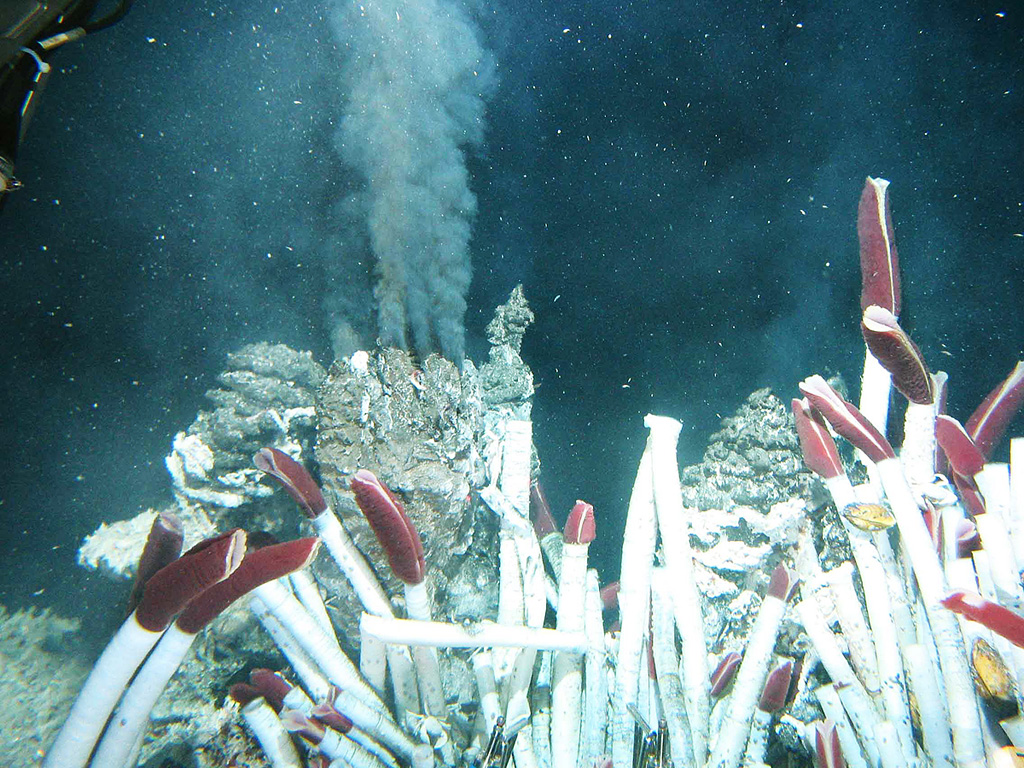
634 605
832 706
917 454
673 697
484 634
518 537
964 714
595 700
541 721
308 592
312 677
275 741
934 719
567 691
686 600
753 671
483 671
880 613
855 699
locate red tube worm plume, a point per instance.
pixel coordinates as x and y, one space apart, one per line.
308 730
272 686
783 583
540 511
724 673
1000 620
580 528
294 477
933 522
258 567
610 596
327 714
971 497
827 752
163 546
879 267
394 530
817 445
171 588
243 693
846 419
964 456
776 688
988 423
967 538
898 354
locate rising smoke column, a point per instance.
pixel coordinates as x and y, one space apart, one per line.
415 79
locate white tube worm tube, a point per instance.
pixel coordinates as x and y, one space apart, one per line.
275 741
675 535
634 606
934 719
352 563
855 699
595 700
308 592
673 697
484 634
751 676
833 709
311 675
417 605
102 689
964 714
132 714
483 670
567 689
326 653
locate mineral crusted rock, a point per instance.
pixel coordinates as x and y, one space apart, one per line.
754 460
505 379
114 548
43 668
417 429
265 399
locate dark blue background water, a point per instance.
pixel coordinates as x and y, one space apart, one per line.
675 183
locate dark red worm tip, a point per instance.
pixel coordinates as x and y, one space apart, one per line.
294 477
258 567
540 510
243 693
171 588
964 456
724 673
898 354
163 547
819 449
846 419
272 686
776 688
998 618
392 526
827 751
783 582
989 421
610 596
326 714
879 266
580 528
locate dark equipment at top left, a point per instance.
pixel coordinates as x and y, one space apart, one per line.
30 31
